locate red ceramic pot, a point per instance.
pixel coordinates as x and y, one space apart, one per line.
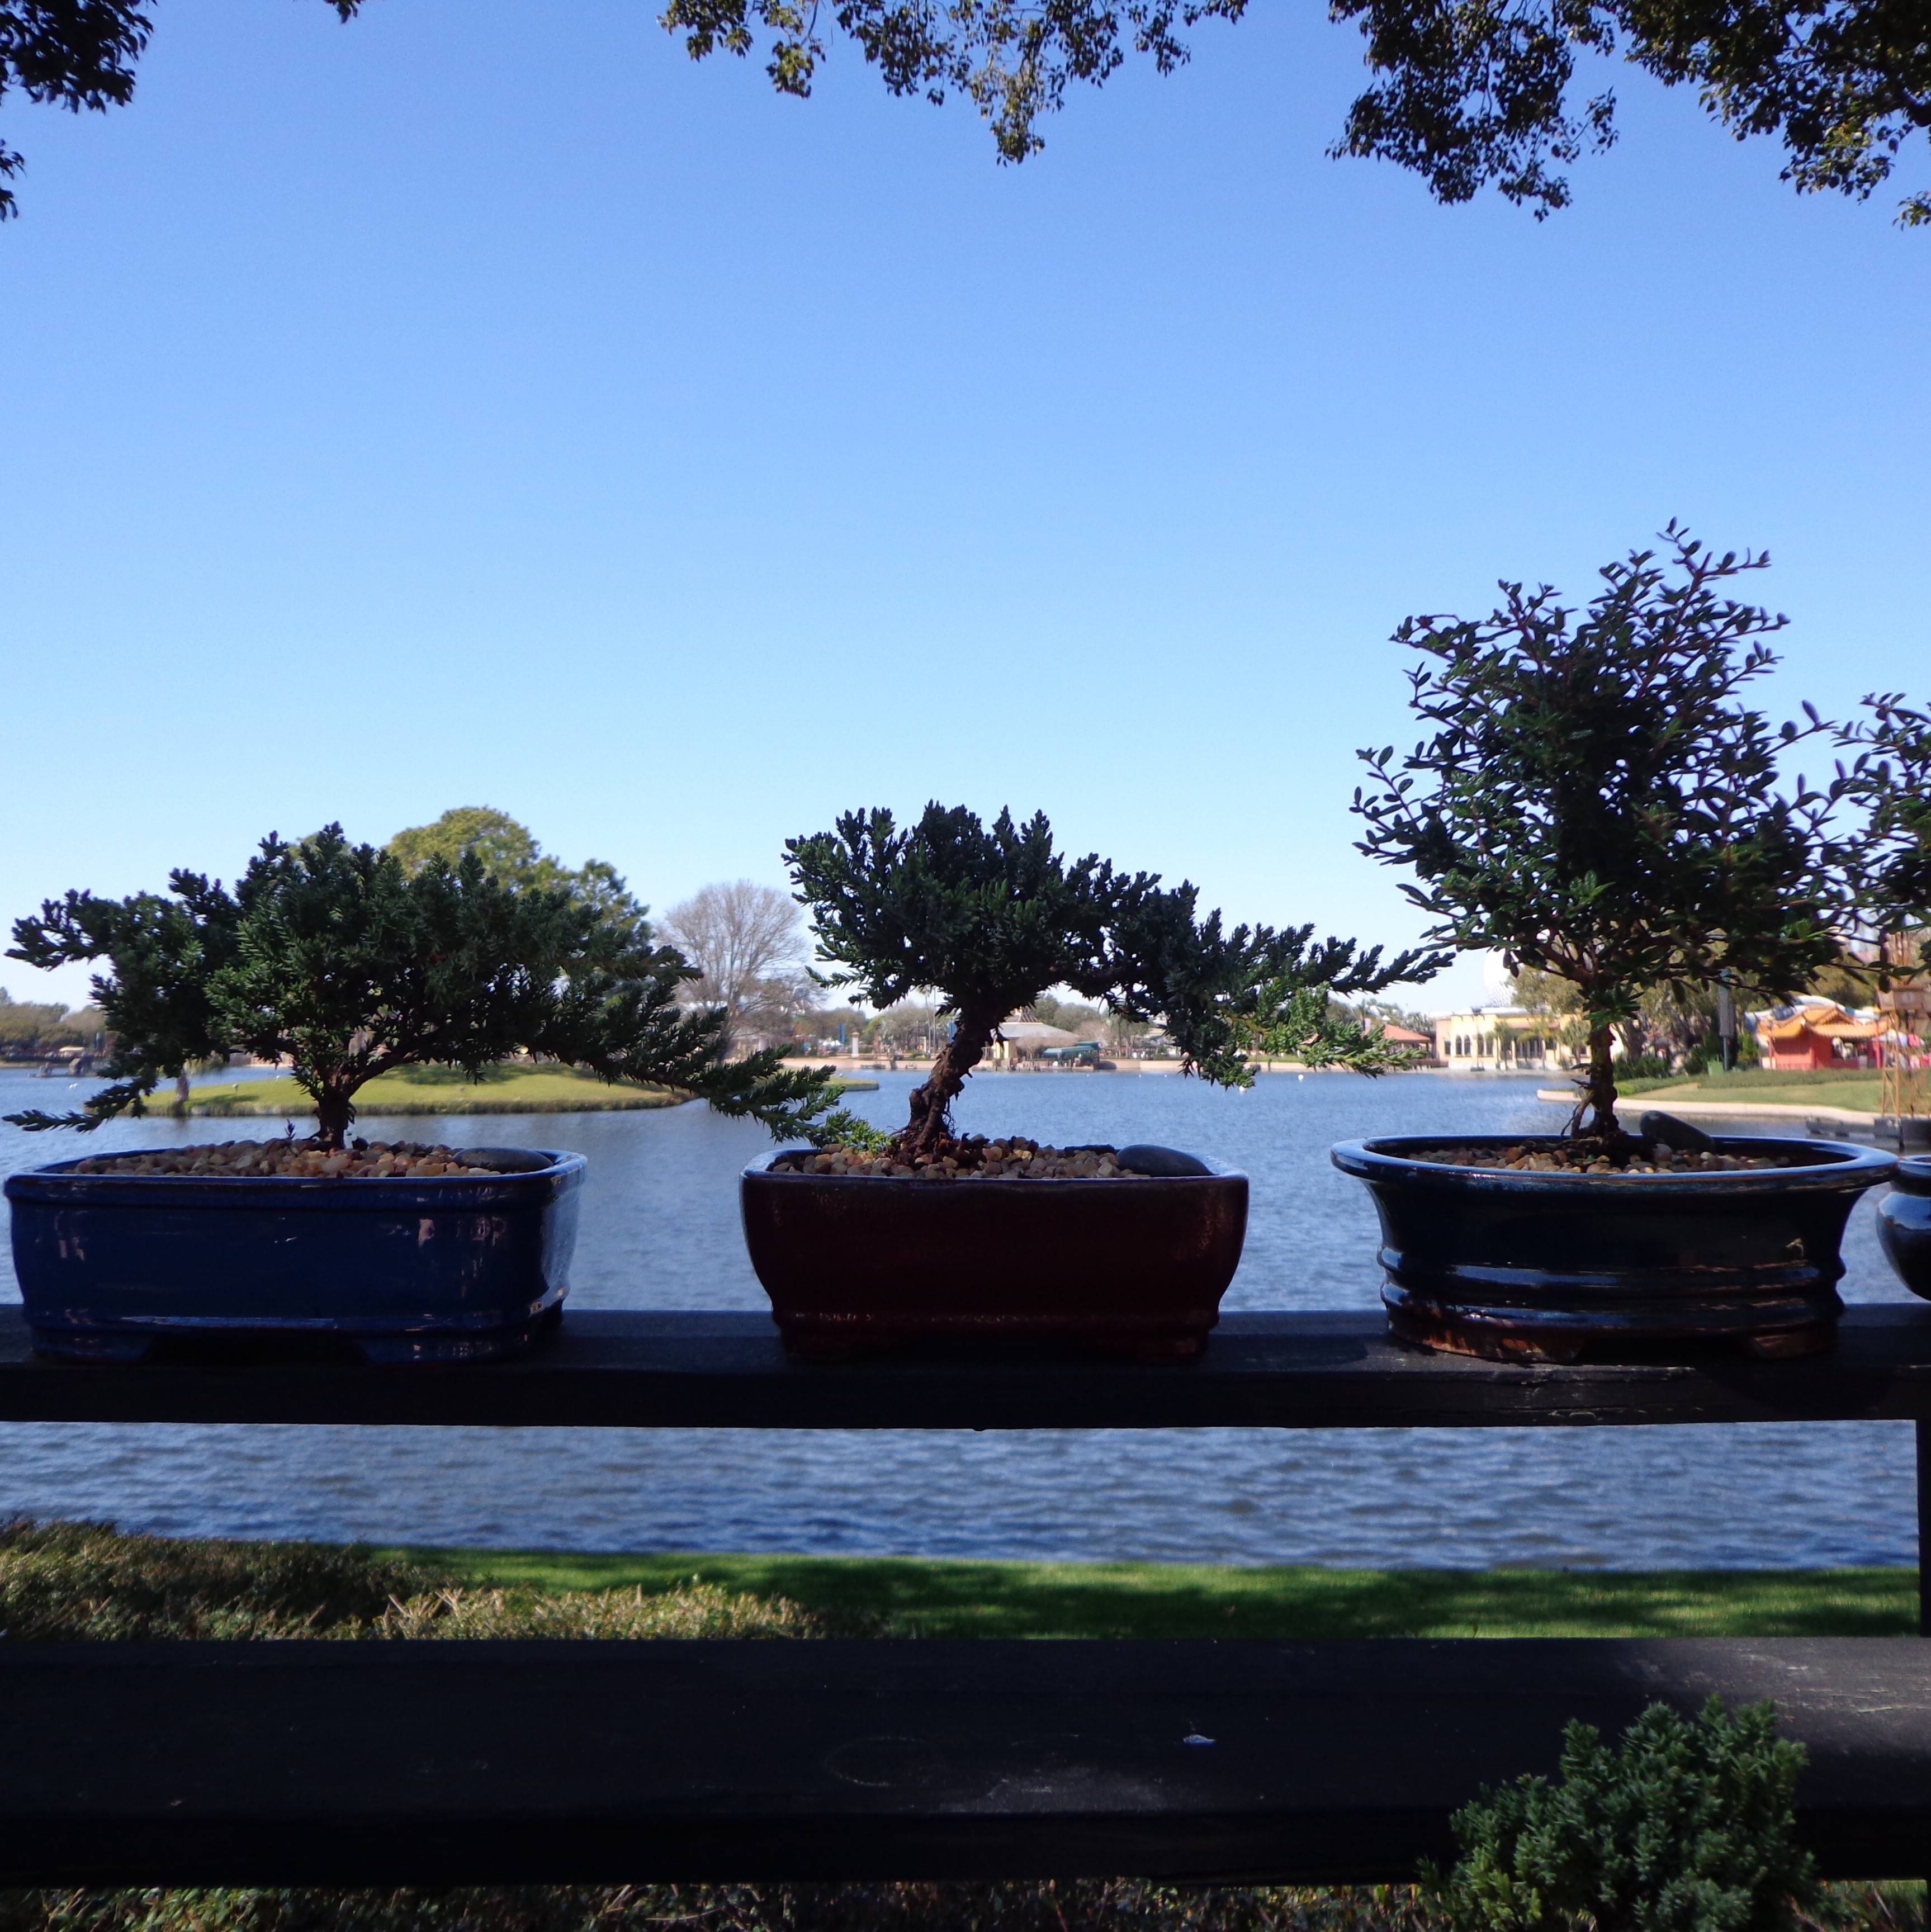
854 1264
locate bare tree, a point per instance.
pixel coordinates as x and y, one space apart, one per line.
749 941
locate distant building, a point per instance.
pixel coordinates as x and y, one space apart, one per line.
1500 1040
1818 1037
1398 1036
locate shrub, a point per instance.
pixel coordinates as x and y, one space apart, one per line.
1689 1827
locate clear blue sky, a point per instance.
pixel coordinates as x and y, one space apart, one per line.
482 404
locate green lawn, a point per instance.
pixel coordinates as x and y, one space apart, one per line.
1855 1087
952 1599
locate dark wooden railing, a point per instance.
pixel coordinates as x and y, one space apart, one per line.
435 1763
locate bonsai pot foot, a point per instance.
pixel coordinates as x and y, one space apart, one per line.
1503 1335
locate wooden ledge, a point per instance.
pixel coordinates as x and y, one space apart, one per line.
690 1370
432 1763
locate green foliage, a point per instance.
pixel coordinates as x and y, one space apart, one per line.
1470 94
1084 1905
990 917
1889 858
67 53
509 852
337 957
1689 1827
65 1582
1478 94
1597 803
68 1582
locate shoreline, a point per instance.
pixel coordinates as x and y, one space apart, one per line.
1735 1110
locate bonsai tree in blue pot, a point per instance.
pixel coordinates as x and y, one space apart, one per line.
1890 865
343 961
1598 801
876 1238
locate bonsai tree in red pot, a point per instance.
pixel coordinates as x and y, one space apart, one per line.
925 1231
1598 802
347 963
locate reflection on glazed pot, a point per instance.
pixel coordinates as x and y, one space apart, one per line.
1904 1224
1550 1265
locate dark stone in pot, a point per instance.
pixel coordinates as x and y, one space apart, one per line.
1666 1130
447 1268
1551 1266
1904 1223
854 1264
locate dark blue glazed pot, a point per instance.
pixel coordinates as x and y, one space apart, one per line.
457 1268
1551 1266
1904 1223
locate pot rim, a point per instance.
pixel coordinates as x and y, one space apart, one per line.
1914 1173
1845 1164
760 1169
57 1177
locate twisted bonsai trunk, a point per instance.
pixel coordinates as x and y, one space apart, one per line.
1598 1096
921 1138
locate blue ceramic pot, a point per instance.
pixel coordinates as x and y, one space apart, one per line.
457 1268
1904 1223
1554 1266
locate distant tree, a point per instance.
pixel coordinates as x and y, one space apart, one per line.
990 916
747 942
29 1029
1072 1016
509 851
1469 94
338 958
1597 804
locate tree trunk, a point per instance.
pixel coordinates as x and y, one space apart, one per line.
1599 1089
181 1093
931 1103
333 1113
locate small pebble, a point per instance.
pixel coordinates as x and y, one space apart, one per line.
296 1160
1545 1157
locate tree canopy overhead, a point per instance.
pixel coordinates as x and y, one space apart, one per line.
1467 93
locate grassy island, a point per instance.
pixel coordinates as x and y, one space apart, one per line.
509 1089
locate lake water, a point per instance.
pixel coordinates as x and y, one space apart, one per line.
660 1230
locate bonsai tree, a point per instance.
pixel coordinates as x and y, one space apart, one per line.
1889 857
350 963
992 918
1689 1827
1598 803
